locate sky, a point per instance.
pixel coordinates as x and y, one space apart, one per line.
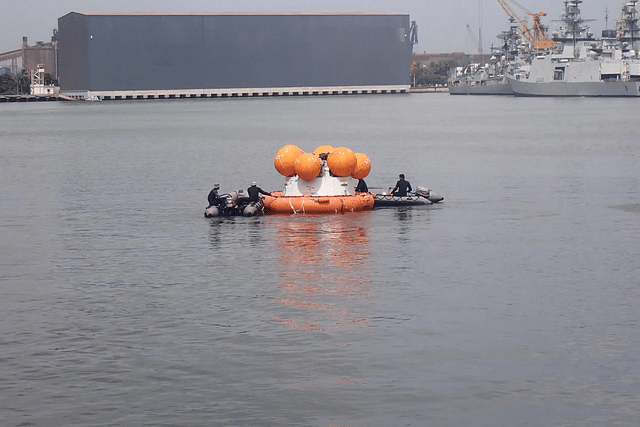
442 24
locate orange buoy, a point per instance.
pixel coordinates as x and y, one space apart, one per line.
307 166
285 159
342 161
363 166
322 149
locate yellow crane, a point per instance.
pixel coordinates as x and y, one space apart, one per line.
540 40
537 37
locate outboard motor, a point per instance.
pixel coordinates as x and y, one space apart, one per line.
233 196
429 195
435 197
230 201
422 191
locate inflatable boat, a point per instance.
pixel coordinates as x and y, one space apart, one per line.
235 203
422 196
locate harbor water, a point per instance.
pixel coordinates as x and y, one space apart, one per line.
513 303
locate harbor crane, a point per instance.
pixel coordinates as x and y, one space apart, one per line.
536 36
474 40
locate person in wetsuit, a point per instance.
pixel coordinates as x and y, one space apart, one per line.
362 186
401 187
214 198
254 193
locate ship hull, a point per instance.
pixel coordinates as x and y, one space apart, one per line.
593 88
494 89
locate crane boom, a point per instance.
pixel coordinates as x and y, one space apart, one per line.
540 40
512 15
473 39
537 37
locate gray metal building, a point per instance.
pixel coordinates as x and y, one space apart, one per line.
122 56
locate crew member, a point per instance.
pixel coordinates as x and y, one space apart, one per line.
214 198
401 187
254 193
362 186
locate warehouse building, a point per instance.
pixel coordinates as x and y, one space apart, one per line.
139 56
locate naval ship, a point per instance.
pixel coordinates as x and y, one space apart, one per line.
490 78
579 65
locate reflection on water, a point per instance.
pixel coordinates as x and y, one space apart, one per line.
632 207
403 215
215 232
322 270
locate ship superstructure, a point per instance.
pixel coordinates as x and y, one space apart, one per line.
627 30
580 65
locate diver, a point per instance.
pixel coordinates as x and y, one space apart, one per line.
400 190
254 193
362 186
214 198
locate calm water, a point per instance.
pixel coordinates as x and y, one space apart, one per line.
514 303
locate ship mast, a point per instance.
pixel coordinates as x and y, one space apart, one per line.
480 49
571 26
627 23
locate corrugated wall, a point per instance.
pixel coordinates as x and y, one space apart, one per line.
164 52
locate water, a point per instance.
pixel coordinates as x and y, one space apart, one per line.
514 303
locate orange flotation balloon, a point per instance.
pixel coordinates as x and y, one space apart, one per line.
307 166
285 159
363 166
342 161
323 149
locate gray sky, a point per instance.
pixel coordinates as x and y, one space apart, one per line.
442 23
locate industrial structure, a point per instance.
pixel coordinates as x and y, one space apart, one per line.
536 36
45 54
139 56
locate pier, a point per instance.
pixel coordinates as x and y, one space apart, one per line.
32 98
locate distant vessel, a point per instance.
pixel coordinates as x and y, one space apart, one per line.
489 78
581 65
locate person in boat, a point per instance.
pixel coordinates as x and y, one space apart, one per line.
214 198
402 186
254 193
362 186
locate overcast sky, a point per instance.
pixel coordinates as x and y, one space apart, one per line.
442 23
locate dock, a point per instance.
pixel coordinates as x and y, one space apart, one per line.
32 98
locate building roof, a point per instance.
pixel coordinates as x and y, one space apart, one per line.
328 13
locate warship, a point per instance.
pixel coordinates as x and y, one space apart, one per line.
579 65
489 79
517 43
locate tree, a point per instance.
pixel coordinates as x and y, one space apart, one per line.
436 73
24 83
7 85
